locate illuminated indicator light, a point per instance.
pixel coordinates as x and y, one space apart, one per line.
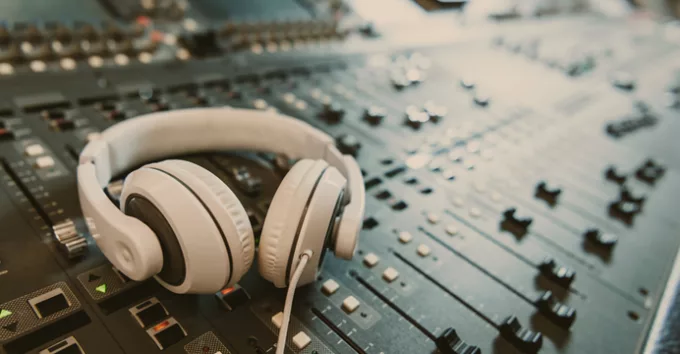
5 313
227 291
157 36
101 288
161 326
143 20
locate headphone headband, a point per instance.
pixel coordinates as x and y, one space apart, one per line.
154 136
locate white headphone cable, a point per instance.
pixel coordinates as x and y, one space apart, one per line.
288 307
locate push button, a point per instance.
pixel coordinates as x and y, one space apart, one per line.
405 237
166 333
350 304
390 274
371 260
149 312
234 297
34 150
450 343
329 287
277 320
423 250
301 340
522 338
50 303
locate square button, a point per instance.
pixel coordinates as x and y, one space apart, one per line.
423 250
350 304
330 286
390 274
452 230
34 150
371 260
277 320
405 237
44 162
301 340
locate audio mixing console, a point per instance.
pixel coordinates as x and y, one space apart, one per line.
522 175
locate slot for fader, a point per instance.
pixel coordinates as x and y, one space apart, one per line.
166 333
67 346
149 312
49 303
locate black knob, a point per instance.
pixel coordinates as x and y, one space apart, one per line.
547 194
623 81
116 115
562 276
31 33
523 339
603 240
562 315
5 37
467 83
450 343
481 98
628 196
517 226
435 111
650 172
348 144
374 115
415 117
625 211
86 31
612 175
332 113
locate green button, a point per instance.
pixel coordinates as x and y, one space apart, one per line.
101 288
5 313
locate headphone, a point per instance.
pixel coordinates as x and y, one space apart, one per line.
181 224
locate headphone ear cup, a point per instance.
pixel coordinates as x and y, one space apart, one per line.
207 240
300 217
285 206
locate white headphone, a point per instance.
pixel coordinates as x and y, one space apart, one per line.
180 223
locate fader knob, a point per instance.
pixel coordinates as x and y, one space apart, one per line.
348 144
74 247
374 115
332 113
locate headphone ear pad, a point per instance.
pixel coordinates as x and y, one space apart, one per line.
208 232
286 207
236 213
